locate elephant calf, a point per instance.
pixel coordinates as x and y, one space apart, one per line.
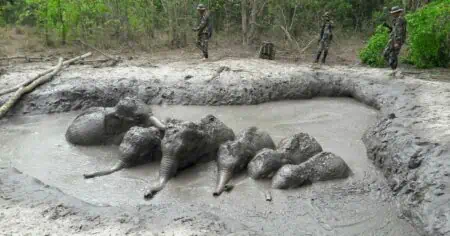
266 163
323 166
292 150
108 125
186 143
234 155
140 145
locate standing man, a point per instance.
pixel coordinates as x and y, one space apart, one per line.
203 30
326 35
397 37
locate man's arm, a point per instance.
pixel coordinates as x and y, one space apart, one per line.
387 26
401 31
322 30
203 24
331 30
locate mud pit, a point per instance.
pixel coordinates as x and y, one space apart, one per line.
408 143
330 208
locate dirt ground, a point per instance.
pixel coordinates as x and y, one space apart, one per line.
343 52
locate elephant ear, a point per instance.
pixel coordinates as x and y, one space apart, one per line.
191 134
112 124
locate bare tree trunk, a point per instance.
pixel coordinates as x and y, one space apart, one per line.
252 31
244 6
63 26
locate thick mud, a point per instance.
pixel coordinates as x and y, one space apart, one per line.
409 141
360 205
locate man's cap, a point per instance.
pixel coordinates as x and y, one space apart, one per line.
396 9
201 7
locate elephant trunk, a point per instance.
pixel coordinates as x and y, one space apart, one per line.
167 169
157 123
118 166
224 176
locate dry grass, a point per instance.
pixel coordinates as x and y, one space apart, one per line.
20 41
26 41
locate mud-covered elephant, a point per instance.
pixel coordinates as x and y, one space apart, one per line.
233 156
321 167
139 146
187 143
108 125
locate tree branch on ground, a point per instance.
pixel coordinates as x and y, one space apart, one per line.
68 62
23 90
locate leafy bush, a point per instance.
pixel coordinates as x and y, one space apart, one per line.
372 54
429 35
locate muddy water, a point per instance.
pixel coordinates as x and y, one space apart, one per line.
359 205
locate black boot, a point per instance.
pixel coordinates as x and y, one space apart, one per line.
324 57
317 57
393 62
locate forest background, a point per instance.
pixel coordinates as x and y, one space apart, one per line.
239 26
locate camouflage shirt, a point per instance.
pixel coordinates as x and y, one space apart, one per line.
202 27
398 34
326 32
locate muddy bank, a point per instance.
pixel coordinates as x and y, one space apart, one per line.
409 142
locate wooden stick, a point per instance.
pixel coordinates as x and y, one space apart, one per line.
23 90
218 72
95 49
290 37
309 44
68 62
21 57
84 62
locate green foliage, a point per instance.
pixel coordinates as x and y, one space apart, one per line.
11 13
372 53
429 35
108 23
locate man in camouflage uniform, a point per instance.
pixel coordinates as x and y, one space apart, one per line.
397 37
326 35
203 30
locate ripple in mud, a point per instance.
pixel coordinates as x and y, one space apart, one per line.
359 205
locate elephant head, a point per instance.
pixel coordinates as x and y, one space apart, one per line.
186 143
234 156
107 125
139 145
130 112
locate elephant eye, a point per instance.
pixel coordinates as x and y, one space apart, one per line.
212 118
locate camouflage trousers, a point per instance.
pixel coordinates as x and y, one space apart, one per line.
202 44
323 47
391 55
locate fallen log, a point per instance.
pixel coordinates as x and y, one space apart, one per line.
68 62
93 61
28 59
26 89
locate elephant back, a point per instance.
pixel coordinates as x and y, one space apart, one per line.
87 129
